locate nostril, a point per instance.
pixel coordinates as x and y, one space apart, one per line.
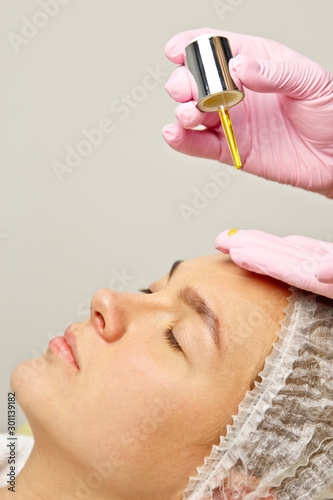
100 321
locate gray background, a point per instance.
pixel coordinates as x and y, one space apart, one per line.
118 211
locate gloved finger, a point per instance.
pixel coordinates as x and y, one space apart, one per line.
189 116
293 78
291 244
182 88
179 85
278 264
282 266
235 76
322 251
272 252
324 273
175 47
248 237
310 243
201 143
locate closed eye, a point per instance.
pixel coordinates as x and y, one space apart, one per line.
168 333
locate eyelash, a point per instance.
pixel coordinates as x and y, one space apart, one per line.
168 333
145 290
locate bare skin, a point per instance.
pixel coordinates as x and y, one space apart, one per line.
144 409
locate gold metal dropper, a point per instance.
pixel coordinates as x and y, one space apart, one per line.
230 136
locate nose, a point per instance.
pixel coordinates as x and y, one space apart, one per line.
111 312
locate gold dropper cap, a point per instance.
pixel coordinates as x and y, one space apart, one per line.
230 136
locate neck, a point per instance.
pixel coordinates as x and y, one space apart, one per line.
46 476
49 474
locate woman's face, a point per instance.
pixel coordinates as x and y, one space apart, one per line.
160 375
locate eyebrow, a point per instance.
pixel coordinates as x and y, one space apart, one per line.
191 298
174 267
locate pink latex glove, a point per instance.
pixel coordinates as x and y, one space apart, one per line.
297 260
283 127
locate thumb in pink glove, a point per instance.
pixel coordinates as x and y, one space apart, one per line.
302 262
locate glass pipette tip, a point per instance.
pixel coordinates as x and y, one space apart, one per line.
230 136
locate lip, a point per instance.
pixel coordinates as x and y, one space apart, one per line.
63 347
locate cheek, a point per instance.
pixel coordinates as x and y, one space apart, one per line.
128 398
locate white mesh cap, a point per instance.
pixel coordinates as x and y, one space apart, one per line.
280 445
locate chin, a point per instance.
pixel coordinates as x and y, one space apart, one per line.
26 381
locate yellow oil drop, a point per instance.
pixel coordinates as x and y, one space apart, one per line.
230 136
232 232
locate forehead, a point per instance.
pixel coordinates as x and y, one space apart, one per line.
218 262
209 264
210 267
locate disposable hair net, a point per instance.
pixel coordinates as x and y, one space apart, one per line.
280 445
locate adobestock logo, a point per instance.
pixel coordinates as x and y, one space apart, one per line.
202 197
31 28
74 155
3 236
118 281
223 8
121 107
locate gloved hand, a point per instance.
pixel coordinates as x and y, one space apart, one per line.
300 261
283 127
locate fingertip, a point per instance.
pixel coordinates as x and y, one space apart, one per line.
244 70
237 62
234 74
223 241
199 143
188 115
168 86
175 47
324 279
179 85
324 274
239 257
174 52
172 134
